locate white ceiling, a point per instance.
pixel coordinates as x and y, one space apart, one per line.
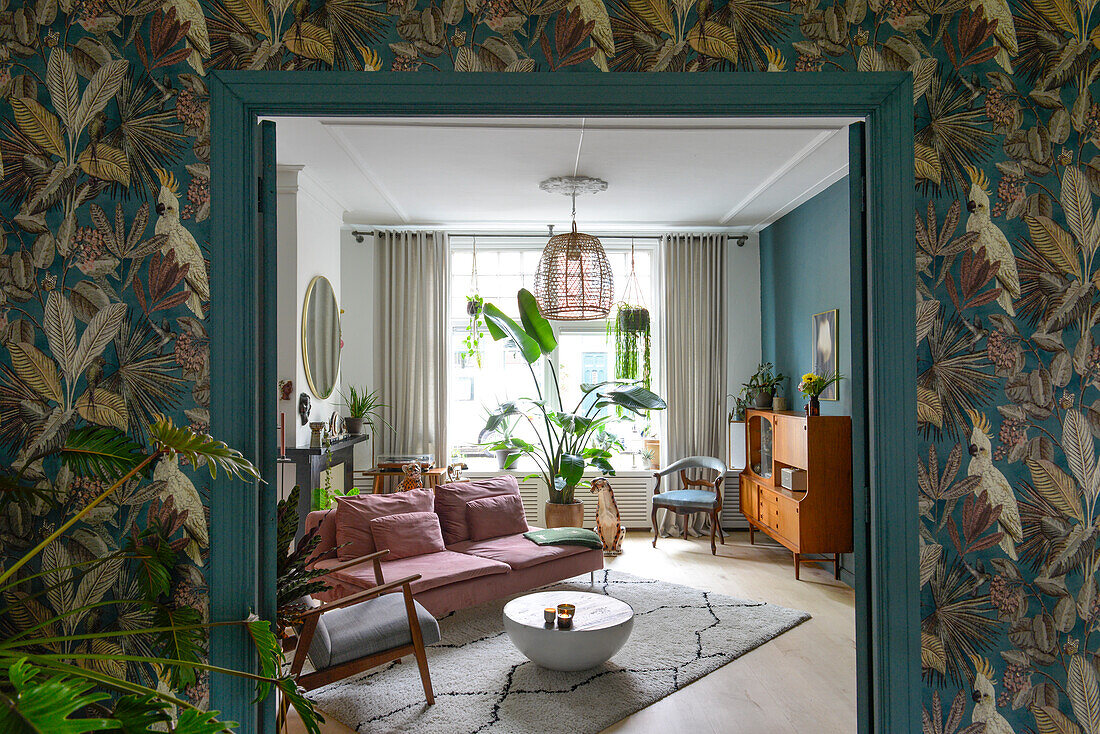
484 172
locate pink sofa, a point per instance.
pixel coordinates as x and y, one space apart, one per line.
467 572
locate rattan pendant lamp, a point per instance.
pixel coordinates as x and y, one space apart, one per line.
573 281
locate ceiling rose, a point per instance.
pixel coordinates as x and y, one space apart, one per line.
573 185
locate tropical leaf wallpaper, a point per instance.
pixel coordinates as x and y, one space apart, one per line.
104 276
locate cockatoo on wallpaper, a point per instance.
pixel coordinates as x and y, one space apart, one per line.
1005 30
985 699
198 38
185 498
992 239
993 483
180 240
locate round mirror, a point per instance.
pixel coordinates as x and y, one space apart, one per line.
321 337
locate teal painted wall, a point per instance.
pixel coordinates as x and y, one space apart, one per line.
804 270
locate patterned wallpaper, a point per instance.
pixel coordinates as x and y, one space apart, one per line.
104 197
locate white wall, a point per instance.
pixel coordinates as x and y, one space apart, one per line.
358 272
309 232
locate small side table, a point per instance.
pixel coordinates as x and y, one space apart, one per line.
600 628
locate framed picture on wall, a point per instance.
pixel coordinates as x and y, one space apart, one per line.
825 343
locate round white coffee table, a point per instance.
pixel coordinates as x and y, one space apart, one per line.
600 627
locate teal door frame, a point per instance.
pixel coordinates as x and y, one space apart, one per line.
242 382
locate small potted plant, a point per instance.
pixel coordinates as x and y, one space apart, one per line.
812 385
364 407
762 385
501 424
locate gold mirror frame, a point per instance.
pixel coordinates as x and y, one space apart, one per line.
306 336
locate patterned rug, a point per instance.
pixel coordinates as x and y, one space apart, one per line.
484 684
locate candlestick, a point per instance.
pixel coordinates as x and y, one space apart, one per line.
549 614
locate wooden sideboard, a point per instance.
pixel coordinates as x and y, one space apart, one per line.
817 519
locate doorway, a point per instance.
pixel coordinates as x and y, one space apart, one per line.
882 317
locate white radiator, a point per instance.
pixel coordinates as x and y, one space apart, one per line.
632 494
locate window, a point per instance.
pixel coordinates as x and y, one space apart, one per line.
585 353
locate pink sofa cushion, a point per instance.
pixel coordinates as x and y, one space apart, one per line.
492 517
353 516
407 534
515 550
451 499
435 569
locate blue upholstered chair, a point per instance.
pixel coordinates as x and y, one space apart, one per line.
697 495
364 630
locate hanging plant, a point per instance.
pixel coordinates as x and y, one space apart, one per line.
630 331
471 342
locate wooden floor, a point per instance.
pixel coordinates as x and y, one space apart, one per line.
802 681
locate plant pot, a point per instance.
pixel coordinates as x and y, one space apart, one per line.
653 446
354 426
502 457
473 308
564 516
632 320
763 400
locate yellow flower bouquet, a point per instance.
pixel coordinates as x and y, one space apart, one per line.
812 385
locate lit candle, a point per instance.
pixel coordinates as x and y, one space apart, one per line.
548 614
565 615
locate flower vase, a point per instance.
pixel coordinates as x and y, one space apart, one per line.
814 406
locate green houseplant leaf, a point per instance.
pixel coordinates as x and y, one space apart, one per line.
43 706
503 326
101 452
534 323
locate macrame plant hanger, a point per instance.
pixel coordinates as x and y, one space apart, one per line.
630 330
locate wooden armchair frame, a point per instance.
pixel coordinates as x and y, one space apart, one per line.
682 466
328 675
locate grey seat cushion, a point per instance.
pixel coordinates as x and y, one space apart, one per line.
686 499
367 628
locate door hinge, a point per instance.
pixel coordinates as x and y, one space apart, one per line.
260 194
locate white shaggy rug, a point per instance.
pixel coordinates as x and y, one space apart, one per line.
484 684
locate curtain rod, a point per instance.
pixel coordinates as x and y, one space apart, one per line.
360 234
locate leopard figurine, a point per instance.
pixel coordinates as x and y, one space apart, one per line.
608 522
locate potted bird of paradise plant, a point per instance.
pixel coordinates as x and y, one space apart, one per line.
566 441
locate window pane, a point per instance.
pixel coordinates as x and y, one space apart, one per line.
585 355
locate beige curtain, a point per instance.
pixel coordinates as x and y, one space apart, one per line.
694 357
410 357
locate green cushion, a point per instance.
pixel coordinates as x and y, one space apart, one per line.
565 536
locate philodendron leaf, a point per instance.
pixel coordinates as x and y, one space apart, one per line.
534 323
41 704
195 446
503 326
